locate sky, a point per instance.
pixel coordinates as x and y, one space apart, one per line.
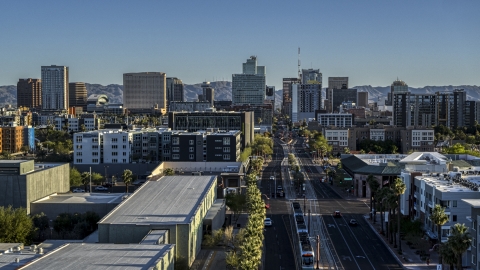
372 42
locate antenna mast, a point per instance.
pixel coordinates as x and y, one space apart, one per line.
299 74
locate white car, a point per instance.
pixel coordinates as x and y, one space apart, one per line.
267 222
101 188
272 177
78 190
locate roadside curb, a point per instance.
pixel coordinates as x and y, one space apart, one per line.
385 243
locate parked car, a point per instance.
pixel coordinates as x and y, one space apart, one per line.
78 190
267 222
337 214
353 222
101 188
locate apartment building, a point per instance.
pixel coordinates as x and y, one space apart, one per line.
102 146
29 93
335 119
223 146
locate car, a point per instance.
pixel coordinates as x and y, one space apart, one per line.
337 214
296 205
268 222
267 206
353 222
272 177
78 190
101 188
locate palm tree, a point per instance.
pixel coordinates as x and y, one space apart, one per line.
460 241
399 188
438 217
374 185
127 177
447 254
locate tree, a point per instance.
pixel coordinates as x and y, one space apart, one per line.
16 226
25 149
460 240
85 176
346 150
245 155
236 203
97 178
75 177
374 186
438 217
127 177
169 172
447 254
6 155
399 188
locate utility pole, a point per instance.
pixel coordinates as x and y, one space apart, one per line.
309 223
318 251
90 180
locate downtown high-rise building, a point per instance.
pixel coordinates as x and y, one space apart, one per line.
250 86
287 95
362 99
175 89
208 93
397 87
77 95
306 99
55 93
29 93
333 84
144 90
311 76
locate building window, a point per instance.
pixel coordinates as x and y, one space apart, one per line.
79 139
114 153
226 149
124 161
175 140
175 156
226 157
124 138
191 156
79 153
175 149
94 146
454 203
190 149
454 218
79 160
114 146
114 160
226 140
114 139
124 153
95 160
190 142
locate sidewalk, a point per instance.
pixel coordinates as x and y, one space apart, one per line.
409 257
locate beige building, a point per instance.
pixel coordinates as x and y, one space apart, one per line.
145 90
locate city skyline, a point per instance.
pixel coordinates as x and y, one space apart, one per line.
422 43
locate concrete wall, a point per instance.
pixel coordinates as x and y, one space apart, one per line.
21 190
52 210
117 169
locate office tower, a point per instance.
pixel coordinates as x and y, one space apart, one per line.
451 108
311 76
334 83
249 87
306 99
175 89
77 95
55 94
144 90
342 95
208 92
362 99
29 93
396 87
287 95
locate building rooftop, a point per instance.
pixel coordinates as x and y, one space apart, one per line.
181 196
452 182
425 158
475 203
100 256
82 198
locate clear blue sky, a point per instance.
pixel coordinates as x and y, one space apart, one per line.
372 42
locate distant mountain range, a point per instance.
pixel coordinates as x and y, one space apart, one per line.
223 91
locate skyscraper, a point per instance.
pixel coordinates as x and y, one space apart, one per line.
311 76
175 89
250 86
208 92
334 83
77 95
362 99
144 90
55 94
306 99
287 95
29 93
342 95
396 87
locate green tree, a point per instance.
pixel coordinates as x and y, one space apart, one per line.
75 177
85 176
6 155
399 188
97 178
16 226
438 217
236 203
447 254
25 149
374 186
169 172
127 177
460 240
346 150
246 153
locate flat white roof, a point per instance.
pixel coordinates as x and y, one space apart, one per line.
169 200
475 203
100 256
82 198
450 186
418 157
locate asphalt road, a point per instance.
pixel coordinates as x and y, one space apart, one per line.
354 247
278 248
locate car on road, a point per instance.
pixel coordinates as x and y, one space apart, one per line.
78 190
337 214
353 222
272 177
101 188
268 222
267 206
